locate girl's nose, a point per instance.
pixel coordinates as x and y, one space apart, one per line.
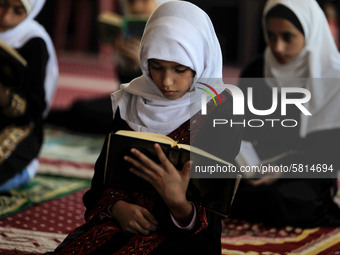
279 46
168 79
6 18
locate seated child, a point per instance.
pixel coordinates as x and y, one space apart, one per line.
24 106
179 47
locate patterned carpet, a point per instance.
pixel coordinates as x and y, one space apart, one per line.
36 218
42 227
252 239
42 188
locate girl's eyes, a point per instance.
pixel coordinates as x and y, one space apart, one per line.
181 69
18 10
287 37
155 67
4 4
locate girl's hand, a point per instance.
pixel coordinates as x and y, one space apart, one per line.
133 218
268 178
128 50
5 96
170 183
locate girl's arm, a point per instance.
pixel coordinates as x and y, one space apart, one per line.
36 54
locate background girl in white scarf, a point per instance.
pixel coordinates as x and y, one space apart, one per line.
300 52
19 30
318 62
28 29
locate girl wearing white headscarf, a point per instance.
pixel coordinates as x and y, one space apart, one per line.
181 34
22 118
315 67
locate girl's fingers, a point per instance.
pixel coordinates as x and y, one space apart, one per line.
161 156
145 223
150 217
143 158
134 162
138 164
140 174
263 181
138 229
186 169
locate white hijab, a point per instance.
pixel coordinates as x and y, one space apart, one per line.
28 29
320 58
125 8
180 32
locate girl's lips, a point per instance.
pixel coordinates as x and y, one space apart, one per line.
281 59
3 29
167 92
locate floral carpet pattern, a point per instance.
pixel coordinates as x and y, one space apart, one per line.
240 237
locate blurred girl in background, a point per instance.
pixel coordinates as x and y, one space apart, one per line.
23 107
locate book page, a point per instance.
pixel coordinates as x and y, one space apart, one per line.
111 19
203 153
247 155
12 52
157 138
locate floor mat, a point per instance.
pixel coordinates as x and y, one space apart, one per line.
42 227
40 189
240 237
36 218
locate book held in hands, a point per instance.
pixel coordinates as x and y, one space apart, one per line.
112 25
12 67
214 194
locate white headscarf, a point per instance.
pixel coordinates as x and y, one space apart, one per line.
28 29
27 4
125 9
320 58
180 32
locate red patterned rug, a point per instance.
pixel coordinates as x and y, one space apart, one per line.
244 238
42 227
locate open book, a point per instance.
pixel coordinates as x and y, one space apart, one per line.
112 25
12 66
214 194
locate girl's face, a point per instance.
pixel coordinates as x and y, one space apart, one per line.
142 8
284 39
173 79
12 13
